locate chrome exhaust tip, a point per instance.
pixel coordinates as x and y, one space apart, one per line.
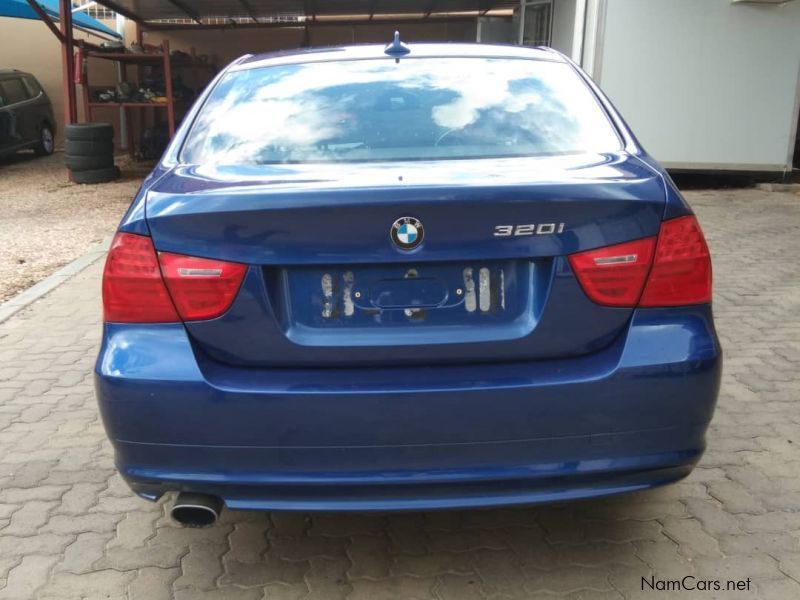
196 510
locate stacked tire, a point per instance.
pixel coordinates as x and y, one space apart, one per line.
89 152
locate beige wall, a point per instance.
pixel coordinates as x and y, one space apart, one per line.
30 46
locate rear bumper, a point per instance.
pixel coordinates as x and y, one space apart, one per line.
630 417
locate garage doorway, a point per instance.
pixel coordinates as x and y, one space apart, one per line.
536 22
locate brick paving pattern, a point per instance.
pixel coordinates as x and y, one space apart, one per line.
69 527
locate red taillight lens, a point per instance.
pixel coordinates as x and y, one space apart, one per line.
133 291
201 288
614 275
681 271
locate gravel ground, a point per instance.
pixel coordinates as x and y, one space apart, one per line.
45 221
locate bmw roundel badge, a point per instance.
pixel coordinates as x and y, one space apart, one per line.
407 233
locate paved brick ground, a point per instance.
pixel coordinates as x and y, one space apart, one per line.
69 528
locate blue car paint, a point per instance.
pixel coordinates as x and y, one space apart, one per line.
259 329
576 400
628 417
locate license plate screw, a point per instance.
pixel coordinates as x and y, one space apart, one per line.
459 291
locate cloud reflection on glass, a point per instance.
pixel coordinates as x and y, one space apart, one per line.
376 110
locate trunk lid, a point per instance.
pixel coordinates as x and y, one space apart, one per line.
328 286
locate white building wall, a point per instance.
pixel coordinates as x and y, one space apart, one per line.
563 38
702 83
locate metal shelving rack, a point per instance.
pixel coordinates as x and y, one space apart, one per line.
163 61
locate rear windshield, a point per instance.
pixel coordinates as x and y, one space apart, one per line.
379 110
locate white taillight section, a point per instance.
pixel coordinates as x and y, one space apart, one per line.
616 260
184 272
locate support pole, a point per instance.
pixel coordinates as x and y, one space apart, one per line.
168 85
123 121
68 62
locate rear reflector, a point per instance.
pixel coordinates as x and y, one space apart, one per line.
677 261
681 271
133 290
201 288
614 275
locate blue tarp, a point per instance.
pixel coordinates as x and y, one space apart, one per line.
22 10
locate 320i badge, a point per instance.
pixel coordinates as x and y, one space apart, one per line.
528 229
414 277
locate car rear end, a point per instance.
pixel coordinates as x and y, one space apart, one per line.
541 330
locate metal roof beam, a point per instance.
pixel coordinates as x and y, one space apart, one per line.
308 24
430 9
52 26
47 20
249 8
192 14
111 5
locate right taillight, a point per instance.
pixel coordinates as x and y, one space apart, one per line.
681 272
672 269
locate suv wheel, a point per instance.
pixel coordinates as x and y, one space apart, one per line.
46 142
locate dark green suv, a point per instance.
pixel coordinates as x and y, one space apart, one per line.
26 114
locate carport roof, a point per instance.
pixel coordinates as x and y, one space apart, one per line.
22 10
256 11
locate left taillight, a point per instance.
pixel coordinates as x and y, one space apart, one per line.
142 286
201 288
133 290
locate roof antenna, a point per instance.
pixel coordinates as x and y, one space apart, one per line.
397 48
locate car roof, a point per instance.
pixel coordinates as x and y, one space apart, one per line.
7 72
373 51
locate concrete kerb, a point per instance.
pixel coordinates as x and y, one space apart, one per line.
48 284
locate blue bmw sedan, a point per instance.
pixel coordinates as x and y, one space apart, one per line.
412 277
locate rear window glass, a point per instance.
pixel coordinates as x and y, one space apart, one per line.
379 110
32 86
13 91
